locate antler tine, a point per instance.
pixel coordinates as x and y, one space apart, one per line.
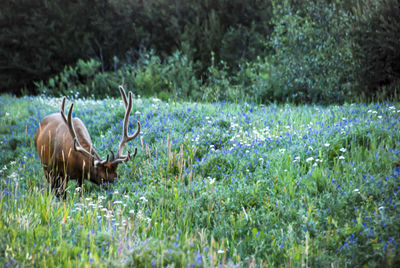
77 145
122 90
62 110
125 136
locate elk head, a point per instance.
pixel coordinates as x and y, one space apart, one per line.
66 151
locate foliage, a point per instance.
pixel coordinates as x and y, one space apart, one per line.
212 185
39 38
312 59
172 79
377 36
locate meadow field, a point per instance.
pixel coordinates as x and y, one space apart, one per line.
212 185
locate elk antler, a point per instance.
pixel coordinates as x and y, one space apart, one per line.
125 137
77 145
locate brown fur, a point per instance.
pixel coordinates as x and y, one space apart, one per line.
64 158
60 161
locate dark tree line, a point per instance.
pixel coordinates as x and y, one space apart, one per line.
38 38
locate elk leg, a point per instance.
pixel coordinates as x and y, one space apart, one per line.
57 186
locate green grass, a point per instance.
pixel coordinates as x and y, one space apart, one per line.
212 184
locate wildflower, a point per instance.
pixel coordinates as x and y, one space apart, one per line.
144 199
220 251
13 175
282 150
310 159
117 202
341 157
356 190
212 181
131 211
343 150
326 144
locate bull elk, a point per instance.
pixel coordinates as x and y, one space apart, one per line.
66 152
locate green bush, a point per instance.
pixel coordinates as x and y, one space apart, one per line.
312 59
173 78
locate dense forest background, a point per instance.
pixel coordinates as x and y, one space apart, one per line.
211 50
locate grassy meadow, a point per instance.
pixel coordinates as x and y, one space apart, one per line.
212 185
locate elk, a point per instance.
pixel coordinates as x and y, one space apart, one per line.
66 152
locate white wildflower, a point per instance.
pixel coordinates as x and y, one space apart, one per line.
341 157
211 182
310 159
343 150
326 144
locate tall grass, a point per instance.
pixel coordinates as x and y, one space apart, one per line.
212 184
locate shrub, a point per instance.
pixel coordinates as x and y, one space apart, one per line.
312 59
173 78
